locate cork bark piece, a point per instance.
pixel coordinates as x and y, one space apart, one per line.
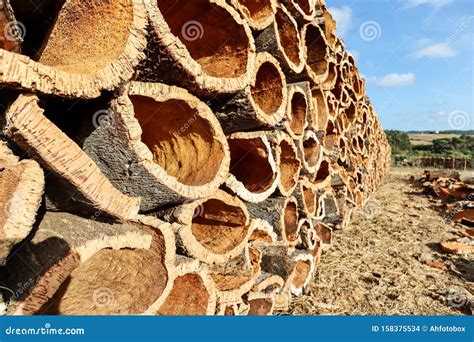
202 45
21 190
258 13
260 105
162 144
282 39
67 263
55 151
253 172
192 292
286 157
236 277
213 230
92 46
282 213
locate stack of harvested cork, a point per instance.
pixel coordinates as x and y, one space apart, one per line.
188 157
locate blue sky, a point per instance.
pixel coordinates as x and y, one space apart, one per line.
417 58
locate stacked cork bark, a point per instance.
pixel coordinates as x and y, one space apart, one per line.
176 157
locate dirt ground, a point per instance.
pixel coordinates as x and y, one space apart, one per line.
388 260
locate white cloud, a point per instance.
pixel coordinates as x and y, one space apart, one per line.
393 80
434 3
343 17
436 51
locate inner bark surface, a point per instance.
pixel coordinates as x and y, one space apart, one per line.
182 142
312 150
290 219
113 282
189 296
212 36
289 37
289 165
218 226
260 306
257 9
316 50
298 113
268 90
88 35
249 163
301 273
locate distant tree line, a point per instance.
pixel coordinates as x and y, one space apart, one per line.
462 146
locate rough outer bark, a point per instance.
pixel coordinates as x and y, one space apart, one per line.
277 260
259 15
286 157
332 214
165 159
254 107
213 230
21 190
333 71
33 132
253 172
236 277
281 213
62 243
10 31
271 40
53 75
192 292
170 61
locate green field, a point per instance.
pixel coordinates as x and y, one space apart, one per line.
427 138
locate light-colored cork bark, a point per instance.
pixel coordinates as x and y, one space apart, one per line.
21 190
161 144
69 255
192 292
93 46
282 39
214 229
55 151
254 174
188 47
260 105
258 13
